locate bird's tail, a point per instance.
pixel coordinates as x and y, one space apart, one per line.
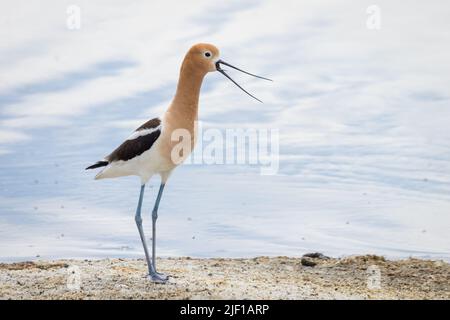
98 165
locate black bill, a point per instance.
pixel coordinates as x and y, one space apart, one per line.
218 67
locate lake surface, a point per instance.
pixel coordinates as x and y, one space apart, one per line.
362 117
327 201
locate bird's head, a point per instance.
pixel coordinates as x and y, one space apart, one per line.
203 58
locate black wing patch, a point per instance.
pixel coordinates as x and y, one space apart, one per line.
135 146
98 165
140 141
150 124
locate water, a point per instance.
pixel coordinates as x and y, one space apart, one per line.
364 142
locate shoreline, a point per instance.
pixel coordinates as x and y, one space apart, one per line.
313 276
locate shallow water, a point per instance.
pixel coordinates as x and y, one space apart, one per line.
364 141
52 208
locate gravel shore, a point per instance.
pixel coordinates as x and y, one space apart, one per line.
309 277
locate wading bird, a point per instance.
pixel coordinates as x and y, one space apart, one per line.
148 151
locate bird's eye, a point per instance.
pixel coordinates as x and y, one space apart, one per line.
207 54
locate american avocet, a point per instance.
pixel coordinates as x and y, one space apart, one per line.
148 150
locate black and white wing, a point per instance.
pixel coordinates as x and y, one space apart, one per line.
140 141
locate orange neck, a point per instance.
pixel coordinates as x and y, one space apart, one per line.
188 91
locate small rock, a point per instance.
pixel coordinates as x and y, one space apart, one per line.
316 255
308 262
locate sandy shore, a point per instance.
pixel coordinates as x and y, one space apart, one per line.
362 277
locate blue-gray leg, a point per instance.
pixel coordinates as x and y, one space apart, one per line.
154 218
151 270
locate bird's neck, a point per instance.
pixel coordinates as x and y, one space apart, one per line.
185 102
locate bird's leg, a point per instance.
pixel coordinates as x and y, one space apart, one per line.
138 220
154 218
